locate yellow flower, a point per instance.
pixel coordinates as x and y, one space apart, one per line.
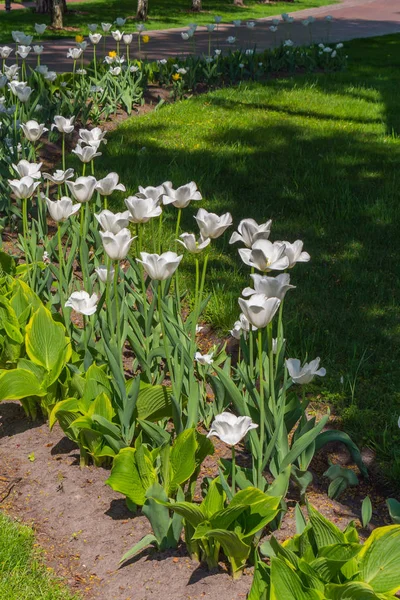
176 76
79 39
112 54
145 39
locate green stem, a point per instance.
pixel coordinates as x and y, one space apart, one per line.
63 151
164 336
60 267
233 471
95 61
262 410
116 300
160 223
203 278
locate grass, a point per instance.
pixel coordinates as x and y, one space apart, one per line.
319 154
22 573
163 14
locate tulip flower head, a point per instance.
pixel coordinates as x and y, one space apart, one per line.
40 28
265 256
160 266
155 193
141 210
204 359
249 232
306 373
241 327
33 131
182 196
294 253
63 125
211 225
82 303
82 188
230 428
24 168
104 274
59 177
62 209
259 310
188 240
92 137
117 245
95 38
23 188
113 222
86 153
270 286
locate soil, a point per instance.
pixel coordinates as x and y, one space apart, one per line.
84 527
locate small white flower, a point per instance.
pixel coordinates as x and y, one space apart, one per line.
82 188
188 240
249 231
265 256
120 22
5 51
24 168
62 209
117 245
211 225
231 39
40 28
33 131
141 210
241 327
105 274
259 309
63 125
82 303
92 27
237 22
106 27
117 35
162 61
140 27
294 252
204 359
250 24
115 71
74 53
182 196
210 28
38 49
231 429
23 51
127 39
306 373
160 266
339 46
95 38
113 222
109 184
288 43
217 52
86 153
217 19
270 286
23 188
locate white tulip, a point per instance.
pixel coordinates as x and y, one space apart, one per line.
62 209
11 71
117 245
109 184
82 189
231 429
117 35
105 274
95 38
217 19
142 210
40 28
23 51
140 27
63 125
86 153
115 71
50 76
113 222
19 37
5 51
33 130
237 22
24 169
38 49
272 287
191 244
82 45
152 192
204 359
127 39
241 327
93 137
306 373
259 310
211 225
182 196
273 28
21 90
250 232
82 303
92 27
23 188
160 266
74 53
106 27
210 28
120 22
295 253
265 256
59 176
231 39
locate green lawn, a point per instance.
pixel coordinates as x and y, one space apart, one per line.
320 155
163 14
22 574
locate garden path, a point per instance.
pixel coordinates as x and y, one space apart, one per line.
350 19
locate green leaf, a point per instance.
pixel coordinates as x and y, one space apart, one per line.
157 514
287 585
182 458
379 560
189 511
325 533
148 540
214 501
366 511
339 436
394 510
350 591
102 406
19 383
46 341
130 478
235 549
302 443
154 402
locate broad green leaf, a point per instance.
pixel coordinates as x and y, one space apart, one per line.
65 412
182 458
366 511
334 435
157 513
287 585
189 511
45 340
325 533
350 591
394 510
332 558
96 382
126 479
379 560
235 549
260 582
214 501
302 443
102 406
19 383
154 402
148 540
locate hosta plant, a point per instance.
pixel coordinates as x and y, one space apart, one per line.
321 562
150 477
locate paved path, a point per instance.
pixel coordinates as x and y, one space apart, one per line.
351 19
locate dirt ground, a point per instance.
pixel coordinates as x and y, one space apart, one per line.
84 527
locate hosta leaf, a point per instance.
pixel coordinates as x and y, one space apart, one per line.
380 559
350 591
45 340
183 458
394 510
65 412
214 501
154 402
147 540
235 549
366 511
126 479
189 511
340 436
286 584
325 533
19 383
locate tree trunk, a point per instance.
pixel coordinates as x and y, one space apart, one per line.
196 5
57 14
43 6
142 10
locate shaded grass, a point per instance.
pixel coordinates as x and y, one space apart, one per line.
163 14
22 574
319 154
